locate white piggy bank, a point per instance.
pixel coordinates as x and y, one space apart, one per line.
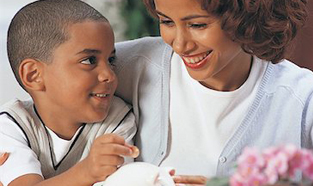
139 174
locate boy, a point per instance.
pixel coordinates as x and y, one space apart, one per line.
62 53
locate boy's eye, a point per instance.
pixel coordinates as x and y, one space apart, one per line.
197 25
90 61
111 60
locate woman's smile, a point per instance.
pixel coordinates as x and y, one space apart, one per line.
197 61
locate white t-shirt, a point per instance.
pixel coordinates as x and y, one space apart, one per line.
12 139
202 119
60 146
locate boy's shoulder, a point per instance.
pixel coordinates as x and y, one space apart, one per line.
17 107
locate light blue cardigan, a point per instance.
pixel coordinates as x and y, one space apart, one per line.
282 111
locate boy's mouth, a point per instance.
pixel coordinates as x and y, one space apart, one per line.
100 95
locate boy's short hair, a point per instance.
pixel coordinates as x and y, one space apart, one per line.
40 27
263 27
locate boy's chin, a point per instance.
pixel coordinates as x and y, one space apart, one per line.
99 118
96 118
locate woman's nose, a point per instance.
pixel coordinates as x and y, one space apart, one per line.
182 42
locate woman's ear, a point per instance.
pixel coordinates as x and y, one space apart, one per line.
31 72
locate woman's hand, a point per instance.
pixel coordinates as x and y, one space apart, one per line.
3 157
190 180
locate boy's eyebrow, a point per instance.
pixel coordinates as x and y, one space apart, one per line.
184 18
89 51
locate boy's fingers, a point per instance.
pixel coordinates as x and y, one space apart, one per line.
111 138
115 149
190 179
116 145
3 157
134 150
111 160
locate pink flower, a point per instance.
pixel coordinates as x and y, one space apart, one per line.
274 163
271 174
307 163
308 172
250 165
251 157
246 170
257 179
280 162
236 180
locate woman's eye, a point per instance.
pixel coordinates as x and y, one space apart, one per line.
195 25
89 61
111 60
166 22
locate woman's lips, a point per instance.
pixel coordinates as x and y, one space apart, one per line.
197 61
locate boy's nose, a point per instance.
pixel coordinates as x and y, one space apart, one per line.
106 75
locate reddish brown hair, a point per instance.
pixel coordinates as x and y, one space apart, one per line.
263 27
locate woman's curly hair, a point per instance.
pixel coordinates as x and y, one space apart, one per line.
263 27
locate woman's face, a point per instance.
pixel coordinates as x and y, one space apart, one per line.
209 55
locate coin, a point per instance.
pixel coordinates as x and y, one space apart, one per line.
135 151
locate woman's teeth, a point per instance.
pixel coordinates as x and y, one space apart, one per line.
196 59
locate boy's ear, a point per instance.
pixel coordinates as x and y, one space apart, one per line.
31 72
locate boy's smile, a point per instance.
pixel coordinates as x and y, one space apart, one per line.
79 82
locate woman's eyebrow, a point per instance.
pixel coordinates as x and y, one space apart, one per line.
184 18
194 17
161 14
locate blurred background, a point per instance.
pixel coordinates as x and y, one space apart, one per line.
129 20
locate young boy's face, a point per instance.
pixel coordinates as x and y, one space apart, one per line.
80 82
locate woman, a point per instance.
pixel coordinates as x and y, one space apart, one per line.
216 82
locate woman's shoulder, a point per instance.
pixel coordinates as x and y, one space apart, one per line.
144 41
287 71
289 76
146 46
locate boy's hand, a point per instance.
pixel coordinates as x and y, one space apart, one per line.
105 156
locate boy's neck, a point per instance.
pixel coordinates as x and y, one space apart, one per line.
61 126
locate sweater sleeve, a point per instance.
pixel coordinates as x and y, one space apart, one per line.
307 139
22 160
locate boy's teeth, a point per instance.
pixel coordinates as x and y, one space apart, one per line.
101 95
